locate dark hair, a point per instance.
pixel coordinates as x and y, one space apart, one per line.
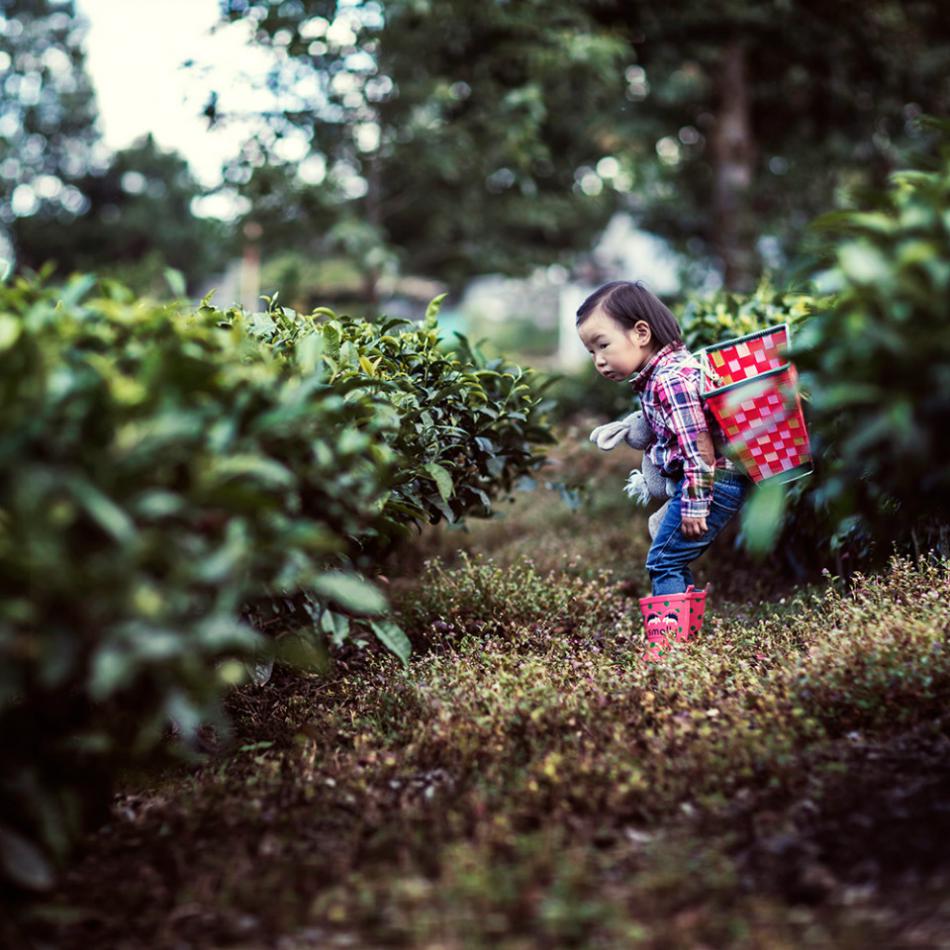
628 302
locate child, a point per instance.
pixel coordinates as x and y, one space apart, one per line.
635 339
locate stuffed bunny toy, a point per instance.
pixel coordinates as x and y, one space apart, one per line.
646 482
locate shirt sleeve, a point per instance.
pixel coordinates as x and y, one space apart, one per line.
680 404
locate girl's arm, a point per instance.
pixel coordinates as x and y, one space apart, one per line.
679 401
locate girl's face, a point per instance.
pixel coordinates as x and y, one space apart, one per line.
617 352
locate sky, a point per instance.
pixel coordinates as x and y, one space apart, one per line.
134 55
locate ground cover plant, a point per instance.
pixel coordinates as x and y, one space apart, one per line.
528 782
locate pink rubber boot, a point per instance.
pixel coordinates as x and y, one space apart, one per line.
697 609
666 618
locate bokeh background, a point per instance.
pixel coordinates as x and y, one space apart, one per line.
368 155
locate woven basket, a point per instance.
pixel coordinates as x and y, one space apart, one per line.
752 391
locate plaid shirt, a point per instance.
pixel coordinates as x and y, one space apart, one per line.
669 387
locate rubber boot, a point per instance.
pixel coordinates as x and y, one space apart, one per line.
666 619
697 609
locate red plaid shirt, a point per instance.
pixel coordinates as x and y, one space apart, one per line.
669 386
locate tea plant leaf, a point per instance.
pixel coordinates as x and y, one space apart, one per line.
762 517
432 312
392 636
351 591
176 281
23 862
442 478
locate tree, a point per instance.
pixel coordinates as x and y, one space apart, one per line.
764 114
48 134
137 220
453 153
494 136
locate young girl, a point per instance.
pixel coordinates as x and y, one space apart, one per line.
635 339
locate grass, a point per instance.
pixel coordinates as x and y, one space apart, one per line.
528 781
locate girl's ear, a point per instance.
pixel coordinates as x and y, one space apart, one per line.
642 333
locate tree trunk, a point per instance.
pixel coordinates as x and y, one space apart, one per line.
374 215
733 150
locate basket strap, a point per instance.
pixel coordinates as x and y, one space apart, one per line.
702 364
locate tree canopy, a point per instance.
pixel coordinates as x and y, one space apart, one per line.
496 136
48 133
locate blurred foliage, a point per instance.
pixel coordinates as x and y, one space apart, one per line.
48 133
304 280
137 221
517 336
445 129
877 359
168 475
454 131
62 198
832 93
586 391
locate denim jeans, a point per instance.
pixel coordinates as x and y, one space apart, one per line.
671 552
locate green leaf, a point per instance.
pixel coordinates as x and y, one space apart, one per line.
309 353
351 591
77 288
111 670
432 312
256 746
262 470
442 478
762 516
10 329
109 516
863 263
176 281
444 507
304 652
849 394
393 637
337 625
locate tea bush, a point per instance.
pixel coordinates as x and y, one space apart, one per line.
466 424
167 476
877 360
712 318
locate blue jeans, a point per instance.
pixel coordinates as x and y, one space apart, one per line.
671 552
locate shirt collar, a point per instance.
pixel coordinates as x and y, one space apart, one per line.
639 380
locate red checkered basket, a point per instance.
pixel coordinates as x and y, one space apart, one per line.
752 391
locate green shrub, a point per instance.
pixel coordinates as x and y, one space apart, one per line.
163 473
877 361
712 318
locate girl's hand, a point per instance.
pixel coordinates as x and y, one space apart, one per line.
693 527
